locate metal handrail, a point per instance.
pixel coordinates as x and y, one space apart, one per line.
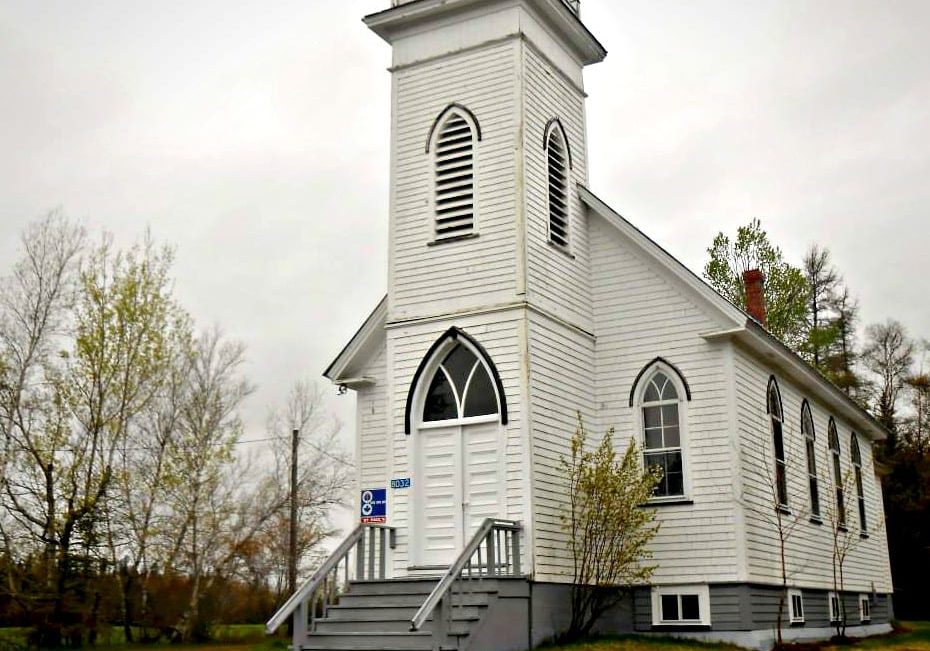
311 585
484 533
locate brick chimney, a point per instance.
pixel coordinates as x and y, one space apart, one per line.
755 298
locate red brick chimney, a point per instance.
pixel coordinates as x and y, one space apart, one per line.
755 299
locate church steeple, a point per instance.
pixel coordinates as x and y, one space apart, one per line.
487 107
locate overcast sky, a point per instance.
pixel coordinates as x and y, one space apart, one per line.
253 136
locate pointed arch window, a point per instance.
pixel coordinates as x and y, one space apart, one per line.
453 144
834 443
662 433
460 388
777 420
807 428
857 470
558 164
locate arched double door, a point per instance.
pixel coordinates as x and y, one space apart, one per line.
457 449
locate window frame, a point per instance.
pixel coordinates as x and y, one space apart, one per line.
702 590
643 382
439 367
449 113
555 130
810 448
836 462
865 614
831 597
793 617
778 436
856 457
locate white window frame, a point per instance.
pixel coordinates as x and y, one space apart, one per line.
445 116
701 590
556 126
794 617
839 607
683 438
865 614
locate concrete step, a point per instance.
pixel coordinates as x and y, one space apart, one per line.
394 586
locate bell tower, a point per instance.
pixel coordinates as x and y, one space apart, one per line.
487 106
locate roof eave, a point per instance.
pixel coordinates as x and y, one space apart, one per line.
759 340
372 326
390 23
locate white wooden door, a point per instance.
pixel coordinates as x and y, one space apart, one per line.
440 504
460 485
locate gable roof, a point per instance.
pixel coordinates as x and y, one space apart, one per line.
365 338
745 329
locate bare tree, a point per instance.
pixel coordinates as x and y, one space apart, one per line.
324 474
888 354
823 282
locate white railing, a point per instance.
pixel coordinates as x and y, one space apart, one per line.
493 552
370 543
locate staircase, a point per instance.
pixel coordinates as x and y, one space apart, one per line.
480 602
377 614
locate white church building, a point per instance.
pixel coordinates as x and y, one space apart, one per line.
518 299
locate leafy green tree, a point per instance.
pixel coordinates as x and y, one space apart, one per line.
608 529
786 290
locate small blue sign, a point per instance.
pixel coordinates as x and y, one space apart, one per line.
374 506
403 482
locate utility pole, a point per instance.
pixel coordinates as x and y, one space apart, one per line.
292 546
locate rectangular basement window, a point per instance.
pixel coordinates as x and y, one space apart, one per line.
865 608
685 605
796 606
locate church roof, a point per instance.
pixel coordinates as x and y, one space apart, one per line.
745 329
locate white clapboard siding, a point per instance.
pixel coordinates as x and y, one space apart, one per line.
561 386
499 334
372 423
557 280
465 273
809 547
641 313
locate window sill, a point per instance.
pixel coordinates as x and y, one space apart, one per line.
454 238
816 520
864 535
561 249
783 509
667 501
842 527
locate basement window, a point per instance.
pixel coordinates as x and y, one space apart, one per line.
836 613
687 605
796 606
865 608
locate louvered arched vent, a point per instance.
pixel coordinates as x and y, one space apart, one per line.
455 178
558 187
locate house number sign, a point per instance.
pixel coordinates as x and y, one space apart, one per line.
403 482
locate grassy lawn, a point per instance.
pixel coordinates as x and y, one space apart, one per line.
912 636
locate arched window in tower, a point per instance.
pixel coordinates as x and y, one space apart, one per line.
857 470
807 428
777 420
452 141
834 442
461 388
559 164
662 433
